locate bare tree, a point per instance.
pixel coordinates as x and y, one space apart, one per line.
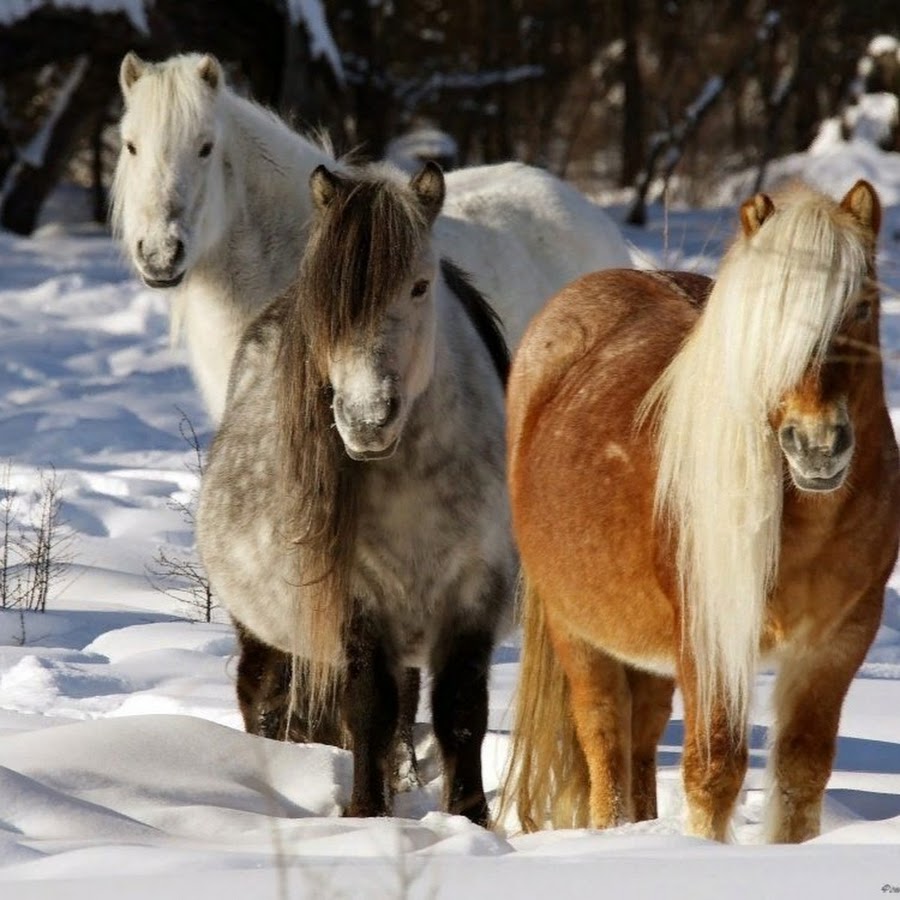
34 556
174 574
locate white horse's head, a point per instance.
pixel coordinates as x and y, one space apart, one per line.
384 273
169 192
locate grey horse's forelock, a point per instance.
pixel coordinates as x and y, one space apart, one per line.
361 249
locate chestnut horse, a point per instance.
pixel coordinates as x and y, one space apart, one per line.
704 478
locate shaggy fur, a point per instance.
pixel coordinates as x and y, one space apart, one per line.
360 567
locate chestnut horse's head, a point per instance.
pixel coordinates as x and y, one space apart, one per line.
814 419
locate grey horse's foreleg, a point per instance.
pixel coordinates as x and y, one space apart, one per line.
459 703
371 709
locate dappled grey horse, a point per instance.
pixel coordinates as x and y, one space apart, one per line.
354 511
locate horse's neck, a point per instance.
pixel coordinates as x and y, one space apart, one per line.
267 177
464 399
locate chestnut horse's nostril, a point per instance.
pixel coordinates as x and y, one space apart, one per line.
790 439
843 439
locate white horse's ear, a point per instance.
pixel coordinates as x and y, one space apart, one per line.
131 68
754 212
324 186
428 186
210 70
863 203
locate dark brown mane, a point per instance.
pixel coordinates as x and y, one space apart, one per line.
361 247
482 315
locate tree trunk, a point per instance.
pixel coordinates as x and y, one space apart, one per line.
633 111
32 183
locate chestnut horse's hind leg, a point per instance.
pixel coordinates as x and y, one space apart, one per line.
600 701
651 709
809 692
263 691
371 707
714 762
459 709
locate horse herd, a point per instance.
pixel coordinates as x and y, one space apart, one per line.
685 478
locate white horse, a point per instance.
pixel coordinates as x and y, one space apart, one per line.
211 201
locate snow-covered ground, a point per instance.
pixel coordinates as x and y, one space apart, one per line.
123 768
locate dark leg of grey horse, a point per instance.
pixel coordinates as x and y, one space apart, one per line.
406 766
459 704
263 690
371 710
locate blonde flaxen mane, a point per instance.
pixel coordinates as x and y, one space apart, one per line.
781 294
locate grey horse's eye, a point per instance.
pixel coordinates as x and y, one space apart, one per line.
131 148
206 149
419 288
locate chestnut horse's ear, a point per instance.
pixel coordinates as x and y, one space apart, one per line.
862 202
428 186
130 69
324 186
210 70
754 212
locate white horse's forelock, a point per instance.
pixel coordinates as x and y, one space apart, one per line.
778 300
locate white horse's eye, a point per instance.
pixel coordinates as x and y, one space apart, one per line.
419 288
206 149
131 148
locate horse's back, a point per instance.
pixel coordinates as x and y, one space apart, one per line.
577 459
616 325
524 233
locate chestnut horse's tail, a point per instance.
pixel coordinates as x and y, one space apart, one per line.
546 777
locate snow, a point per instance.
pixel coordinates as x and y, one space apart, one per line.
883 43
321 42
124 770
13 10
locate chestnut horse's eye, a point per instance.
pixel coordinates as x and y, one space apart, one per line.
420 287
206 149
862 312
131 148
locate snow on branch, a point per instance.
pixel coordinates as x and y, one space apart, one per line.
411 92
34 153
11 11
311 14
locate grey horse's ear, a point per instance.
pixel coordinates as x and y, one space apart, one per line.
210 70
428 186
131 68
324 185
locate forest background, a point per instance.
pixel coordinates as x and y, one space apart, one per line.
640 94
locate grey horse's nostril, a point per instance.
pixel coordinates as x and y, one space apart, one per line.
140 248
389 412
179 253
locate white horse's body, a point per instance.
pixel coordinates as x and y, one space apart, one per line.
211 199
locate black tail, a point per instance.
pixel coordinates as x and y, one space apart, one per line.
483 316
